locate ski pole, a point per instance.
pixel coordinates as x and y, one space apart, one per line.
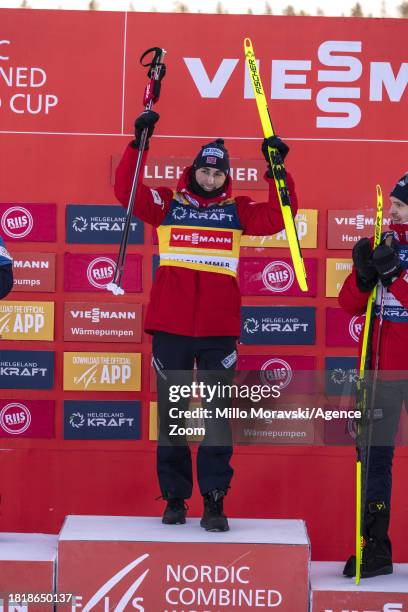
151 95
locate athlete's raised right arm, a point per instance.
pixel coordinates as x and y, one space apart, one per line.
151 205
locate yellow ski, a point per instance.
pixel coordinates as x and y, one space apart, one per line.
362 391
278 168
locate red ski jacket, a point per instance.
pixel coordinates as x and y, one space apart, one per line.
186 298
394 334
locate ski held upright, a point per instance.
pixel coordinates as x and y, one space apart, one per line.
277 166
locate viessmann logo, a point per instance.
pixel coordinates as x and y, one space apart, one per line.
341 80
203 239
17 222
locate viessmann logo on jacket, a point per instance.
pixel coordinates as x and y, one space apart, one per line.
201 239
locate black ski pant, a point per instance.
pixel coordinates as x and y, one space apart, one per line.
174 357
390 396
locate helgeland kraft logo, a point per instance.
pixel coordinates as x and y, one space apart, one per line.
341 375
26 369
17 222
278 325
79 224
107 420
99 224
251 325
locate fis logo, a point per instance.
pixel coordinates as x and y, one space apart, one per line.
278 276
107 374
17 222
21 323
110 595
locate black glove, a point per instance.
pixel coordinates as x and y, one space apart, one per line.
276 143
147 119
367 275
387 262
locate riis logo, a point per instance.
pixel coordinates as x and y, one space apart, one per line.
356 326
100 272
102 371
276 371
278 276
17 222
27 320
15 418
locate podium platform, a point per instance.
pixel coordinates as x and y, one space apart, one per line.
332 592
128 563
27 565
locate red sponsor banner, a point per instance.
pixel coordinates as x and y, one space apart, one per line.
309 92
27 418
27 566
42 76
287 371
34 271
93 272
201 575
331 592
342 329
346 227
28 222
111 322
166 171
266 276
201 239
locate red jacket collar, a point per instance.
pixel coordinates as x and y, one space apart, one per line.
182 186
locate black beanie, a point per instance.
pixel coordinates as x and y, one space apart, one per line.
400 190
213 155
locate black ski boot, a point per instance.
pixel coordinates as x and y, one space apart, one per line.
214 518
175 511
377 551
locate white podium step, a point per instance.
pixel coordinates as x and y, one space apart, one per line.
27 565
332 592
129 563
